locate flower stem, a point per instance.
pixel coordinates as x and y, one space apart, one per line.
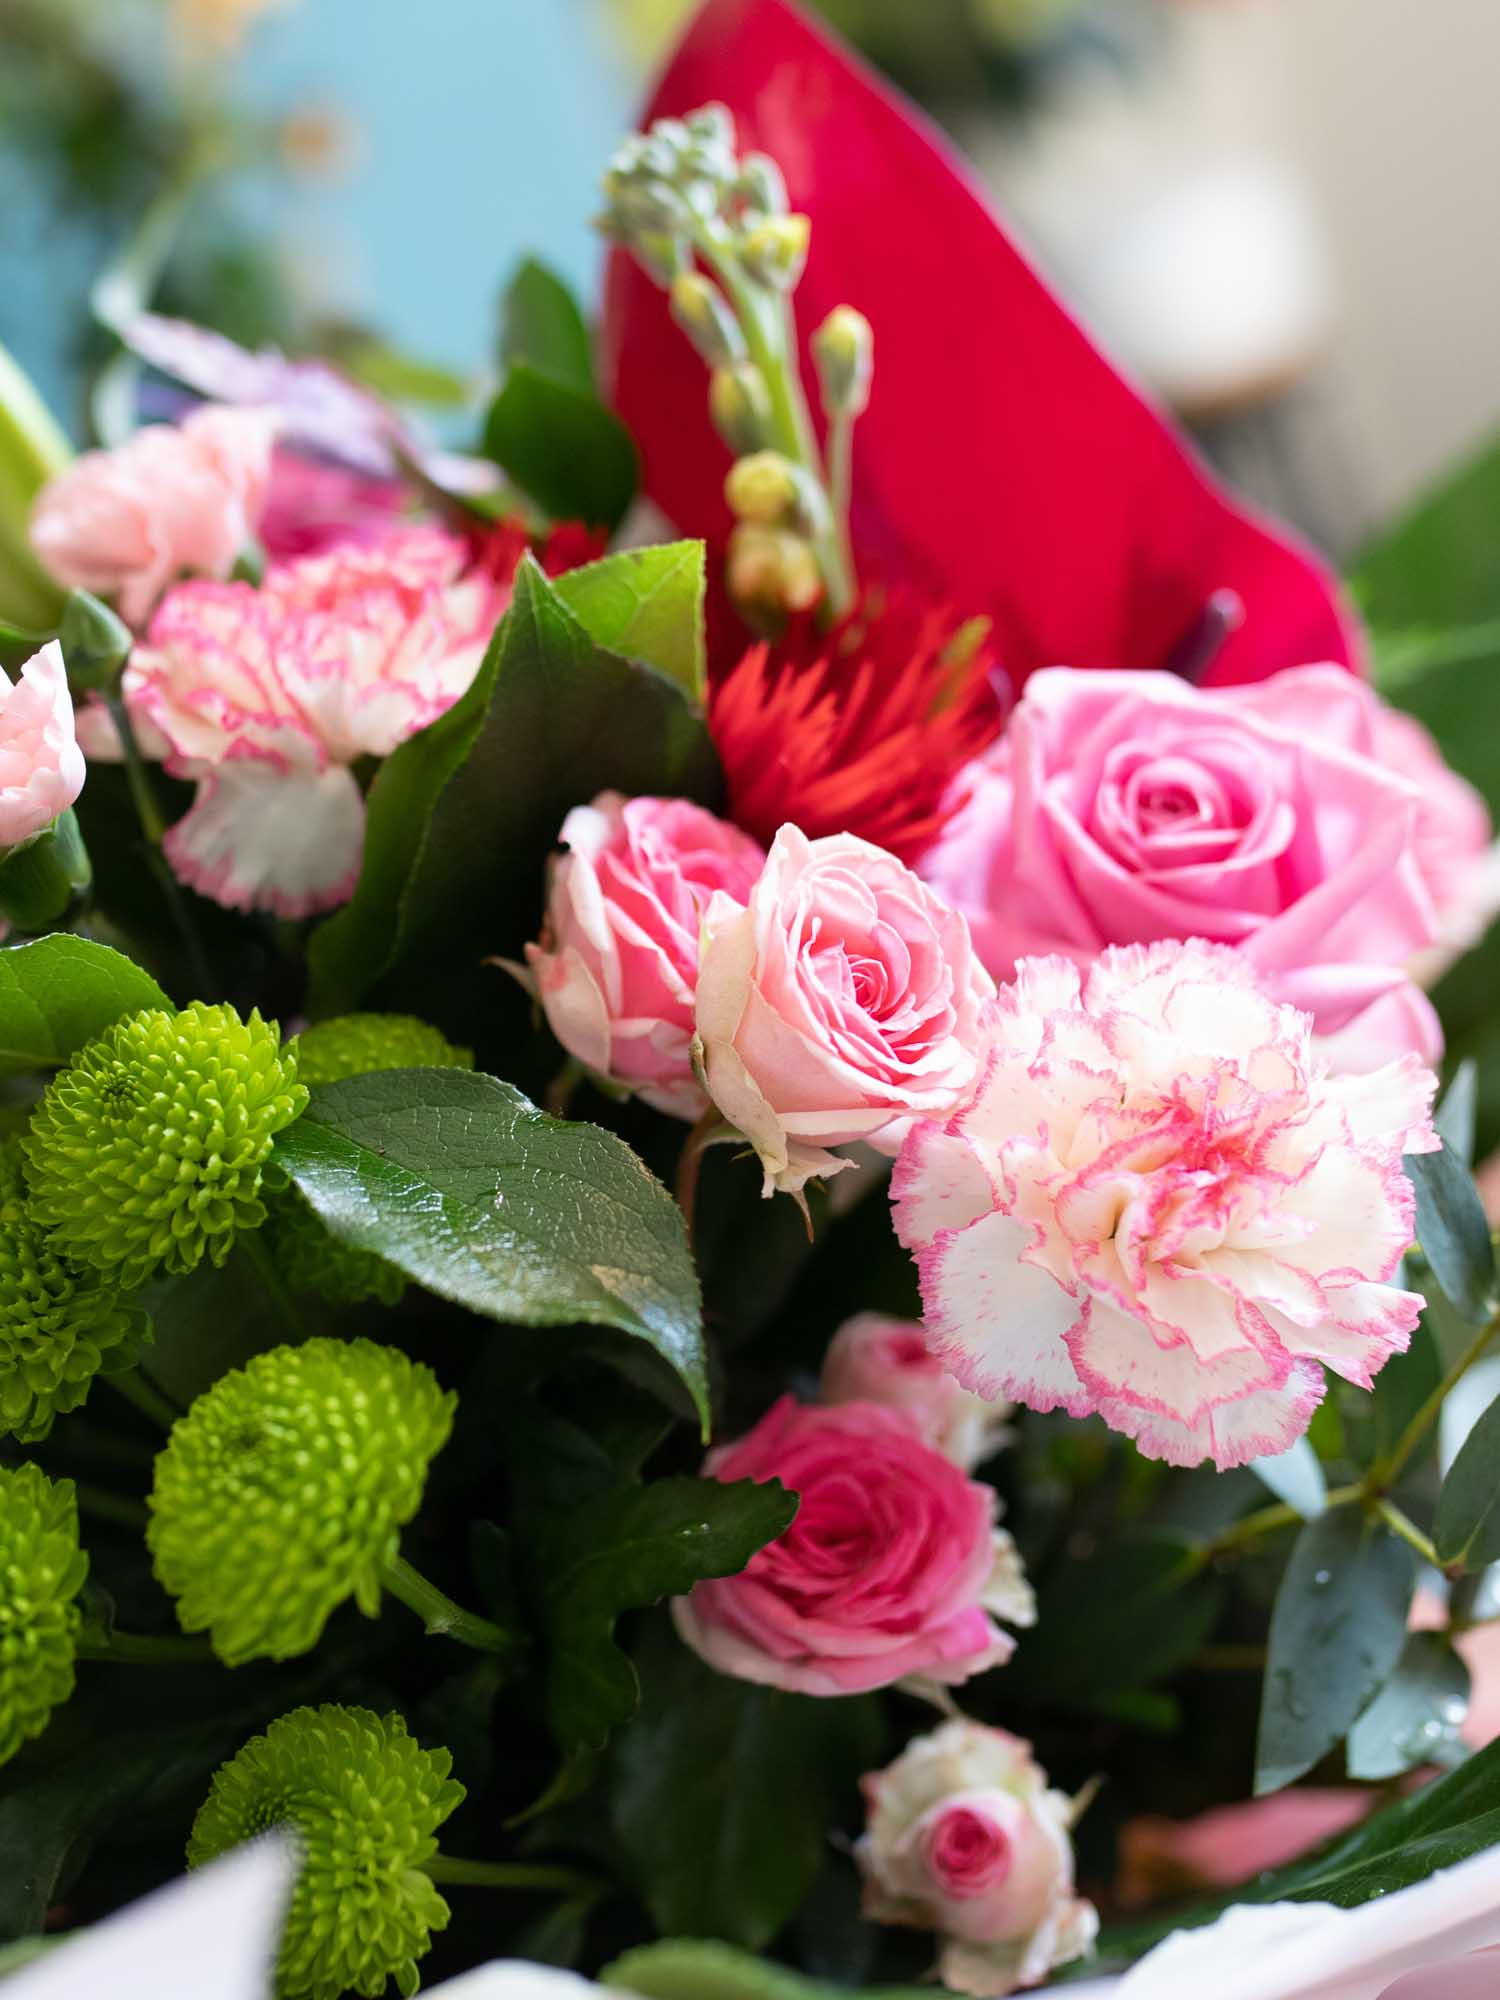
690 1162
110 1506
1408 1531
454 1869
1268 1521
439 1613
153 827
1385 1473
144 1649
147 1398
279 1294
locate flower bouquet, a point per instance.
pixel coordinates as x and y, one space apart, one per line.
715 1130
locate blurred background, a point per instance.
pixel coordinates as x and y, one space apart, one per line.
1281 213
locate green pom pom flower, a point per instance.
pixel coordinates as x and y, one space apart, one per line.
148 1150
313 1260
284 1489
366 1800
42 1570
355 1044
56 1325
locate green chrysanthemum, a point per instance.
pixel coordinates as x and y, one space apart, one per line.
284 1489
42 1570
313 1260
367 1801
148 1150
355 1044
56 1324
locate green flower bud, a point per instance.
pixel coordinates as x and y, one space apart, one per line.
355 1044
761 186
766 487
56 1325
95 642
775 251
366 1801
844 353
149 1148
703 313
740 406
43 1570
772 572
661 256
284 1489
712 125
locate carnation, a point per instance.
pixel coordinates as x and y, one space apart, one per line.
1162 1207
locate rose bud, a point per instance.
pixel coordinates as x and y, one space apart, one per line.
873 1359
41 765
616 971
964 1837
892 1570
840 1004
173 500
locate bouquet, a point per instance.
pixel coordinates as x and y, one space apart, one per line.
715 1133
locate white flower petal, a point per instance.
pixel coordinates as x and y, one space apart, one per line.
260 839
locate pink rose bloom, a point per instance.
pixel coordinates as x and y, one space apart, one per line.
312 506
616 971
267 697
1296 818
873 1359
41 765
840 1004
175 500
1161 1858
1160 1206
893 1568
963 1837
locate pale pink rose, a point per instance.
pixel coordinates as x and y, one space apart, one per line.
893 1568
41 765
840 1004
1297 819
267 697
175 500
1162 1207
616 971
964 1837
873 1359
1162 1858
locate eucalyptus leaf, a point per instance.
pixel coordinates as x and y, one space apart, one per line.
540 323
1295 1476
1416 1717
647 604
1454 1117
1454 1232
1467 1528
1337 1630
459 1181
59 992
561 445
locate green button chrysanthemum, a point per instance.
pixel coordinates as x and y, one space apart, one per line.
366 1801
310 1257
42 1570
56 1325
354 1044
284 1489
148 1150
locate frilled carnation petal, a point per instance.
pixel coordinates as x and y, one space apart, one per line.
259 839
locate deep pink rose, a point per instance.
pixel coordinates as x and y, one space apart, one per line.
173 501
617 968
964 1837
1297 819
893 1567
840 1004
313 506
874 1359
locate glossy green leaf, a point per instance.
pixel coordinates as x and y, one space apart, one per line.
1454 1232
699 1969
1416 1717
563 447
648 605
1337 1631
1295 1476
724 1793
1467 1528
462 818
61 991
465 1186
540 324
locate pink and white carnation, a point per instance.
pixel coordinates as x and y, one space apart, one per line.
41 765
842 1002
616 970
893 1569
267 697
876 1359
963 1836
173 501
1297 818
1162 1207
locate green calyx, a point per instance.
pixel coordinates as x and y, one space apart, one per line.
284 1489
58 1326
355 1044
366 1801
149 1149
43 1570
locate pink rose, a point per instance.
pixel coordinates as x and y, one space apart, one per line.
312 505
843 1002
1162 1858
41 765
1296 818
617 968
1160 1206
173 501
873 1359
963 1837
892 1568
